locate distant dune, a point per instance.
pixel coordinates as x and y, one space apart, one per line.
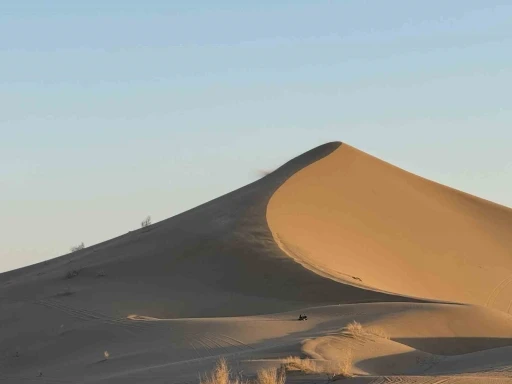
334 233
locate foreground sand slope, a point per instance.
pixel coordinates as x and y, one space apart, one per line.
176 351
354 218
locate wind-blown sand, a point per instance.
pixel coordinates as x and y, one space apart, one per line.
335 233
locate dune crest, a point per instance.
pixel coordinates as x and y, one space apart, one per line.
360 220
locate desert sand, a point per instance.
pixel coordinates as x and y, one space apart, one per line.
403 280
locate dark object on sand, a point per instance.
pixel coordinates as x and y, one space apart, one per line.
302 317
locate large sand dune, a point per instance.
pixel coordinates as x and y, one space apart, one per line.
355 218
334 233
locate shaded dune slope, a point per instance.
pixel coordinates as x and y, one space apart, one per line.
352 217
218 259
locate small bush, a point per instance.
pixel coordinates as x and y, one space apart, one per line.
293 363
333 369
222 375
78 247
379 332
356 330
219 375
271 376
146 222
73 273
340 369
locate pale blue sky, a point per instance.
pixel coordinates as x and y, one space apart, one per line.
114 110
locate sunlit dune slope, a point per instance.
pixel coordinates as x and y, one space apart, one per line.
355 218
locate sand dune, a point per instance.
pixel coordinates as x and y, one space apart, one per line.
334 233
360 220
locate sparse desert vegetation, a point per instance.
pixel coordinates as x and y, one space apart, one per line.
357 330
271 376
340 369
73 273
333 369
146 222
221 374
294 363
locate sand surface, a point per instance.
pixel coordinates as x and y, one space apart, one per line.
335 233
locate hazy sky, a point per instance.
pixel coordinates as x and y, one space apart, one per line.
114 110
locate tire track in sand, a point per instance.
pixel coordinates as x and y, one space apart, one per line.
89 315
497 290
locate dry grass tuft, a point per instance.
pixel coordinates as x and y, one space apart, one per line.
221 374
73 273
334 370
354 327
146 222
340 369
379 332
271 376
357 331
294 363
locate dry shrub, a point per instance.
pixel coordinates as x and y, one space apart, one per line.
73 273
294 363
356 330
376 331
221 374
146 222
340 369
271 376
333 369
